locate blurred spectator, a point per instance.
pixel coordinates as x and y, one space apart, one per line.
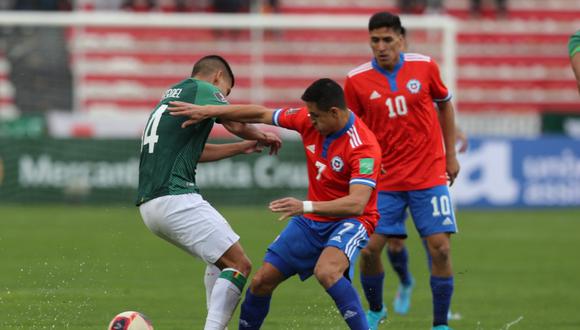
501 8
230 6
39 61
434 6
270 6
106 4
42 5
168 6
412 6
138 5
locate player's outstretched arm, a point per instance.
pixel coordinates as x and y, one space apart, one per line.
215 152
246 113
251 132
348 206
447 122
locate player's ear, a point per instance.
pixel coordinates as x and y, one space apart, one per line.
217 77
334 111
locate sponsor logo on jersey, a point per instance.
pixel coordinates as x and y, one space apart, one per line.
337 163
1 171
447 222
366 165
311 148
375 95
414 86
220 97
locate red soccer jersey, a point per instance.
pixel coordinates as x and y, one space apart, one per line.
334 162
398 107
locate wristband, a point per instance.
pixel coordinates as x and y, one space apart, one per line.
307 207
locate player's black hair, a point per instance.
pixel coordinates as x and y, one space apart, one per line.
325 93
385 20
211 63
403 31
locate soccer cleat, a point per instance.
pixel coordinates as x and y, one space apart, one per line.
375 318
402 301
442 327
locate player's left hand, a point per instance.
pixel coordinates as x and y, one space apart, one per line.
272 141
462 141
288 206
452 168
195 113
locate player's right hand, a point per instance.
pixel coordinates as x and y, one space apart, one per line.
195 113
288 206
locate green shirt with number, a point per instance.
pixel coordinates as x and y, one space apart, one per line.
169 153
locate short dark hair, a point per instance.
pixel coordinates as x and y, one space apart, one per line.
211 63
325 93
385 20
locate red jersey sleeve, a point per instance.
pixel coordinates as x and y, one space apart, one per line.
439 92
365 164
295 119
351 97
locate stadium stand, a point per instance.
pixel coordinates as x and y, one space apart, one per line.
6 89
517 64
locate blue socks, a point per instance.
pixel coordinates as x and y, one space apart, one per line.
442 289
399 261
254 310
373 289
348 303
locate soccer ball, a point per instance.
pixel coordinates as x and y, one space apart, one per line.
130 321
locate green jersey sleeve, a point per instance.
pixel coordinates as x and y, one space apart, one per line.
574 43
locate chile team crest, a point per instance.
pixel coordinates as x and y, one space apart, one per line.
337 163
414 86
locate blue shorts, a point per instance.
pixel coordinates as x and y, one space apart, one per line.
297 249
430 208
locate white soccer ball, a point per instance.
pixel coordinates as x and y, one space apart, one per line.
130 321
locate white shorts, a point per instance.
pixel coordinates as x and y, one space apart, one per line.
191 223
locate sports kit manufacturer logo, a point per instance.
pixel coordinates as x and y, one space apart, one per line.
337 163
413 86
375 95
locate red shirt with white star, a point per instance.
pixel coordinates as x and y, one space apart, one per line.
398 107
334 162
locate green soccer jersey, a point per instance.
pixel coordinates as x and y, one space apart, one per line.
574 44
169 153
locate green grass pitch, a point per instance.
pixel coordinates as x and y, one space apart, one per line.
76 267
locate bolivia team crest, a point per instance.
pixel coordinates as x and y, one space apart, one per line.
337 164
414 86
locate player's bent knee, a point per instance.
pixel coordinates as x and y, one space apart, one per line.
327 276
262 285
367 254
396 245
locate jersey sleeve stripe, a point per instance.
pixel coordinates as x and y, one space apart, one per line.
356 136
366 182
353 140
276 117
447 98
